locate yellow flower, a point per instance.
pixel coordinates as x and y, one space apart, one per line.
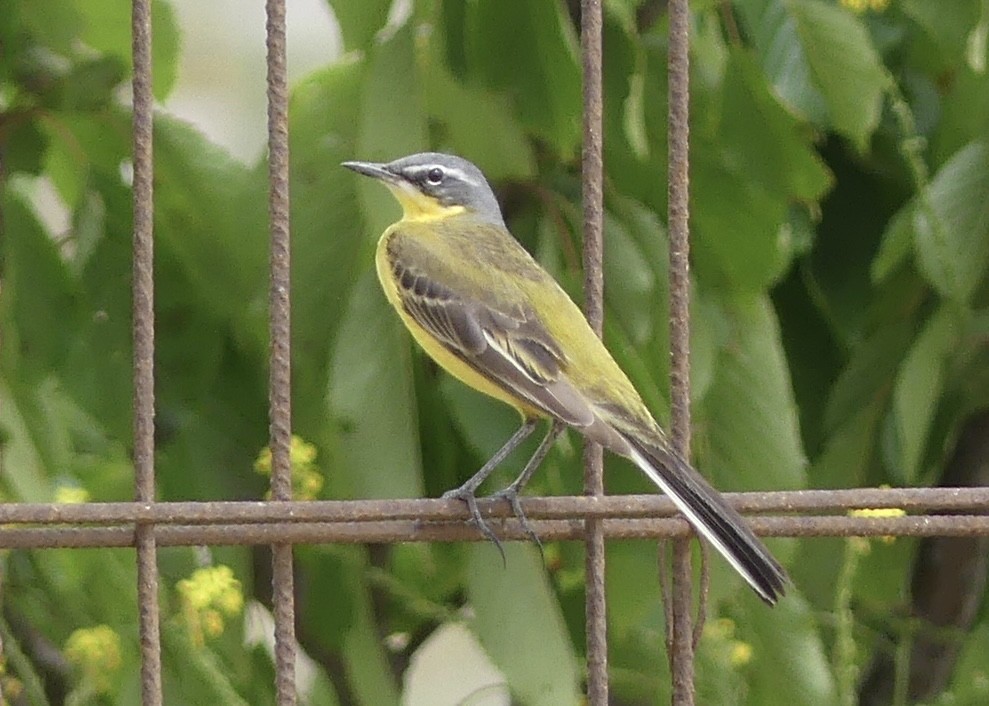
212 623
206 597
720 629
880 512
301 452
729 651
71 495
262 464
740 654
307 481
861 6
95 652
12 689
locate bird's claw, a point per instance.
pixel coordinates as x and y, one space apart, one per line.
511 496
466 495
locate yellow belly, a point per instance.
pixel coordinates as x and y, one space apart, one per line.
436 350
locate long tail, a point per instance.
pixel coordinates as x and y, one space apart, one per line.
712 517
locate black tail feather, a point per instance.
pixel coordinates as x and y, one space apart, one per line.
712 517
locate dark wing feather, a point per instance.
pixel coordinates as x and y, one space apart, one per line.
508 344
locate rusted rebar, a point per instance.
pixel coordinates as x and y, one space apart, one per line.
143 332
681 651
383 531
932 501
280 386
592 177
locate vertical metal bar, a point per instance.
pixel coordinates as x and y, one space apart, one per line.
143 332
279 392
681 650
592 171
679 191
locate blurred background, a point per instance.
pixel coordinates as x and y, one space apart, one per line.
220 84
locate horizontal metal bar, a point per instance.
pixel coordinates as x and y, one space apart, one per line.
548 530
548 508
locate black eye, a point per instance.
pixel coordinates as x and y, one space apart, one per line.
435 176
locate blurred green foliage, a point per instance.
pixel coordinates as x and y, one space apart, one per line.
840 223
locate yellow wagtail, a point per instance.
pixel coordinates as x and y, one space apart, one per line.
478 303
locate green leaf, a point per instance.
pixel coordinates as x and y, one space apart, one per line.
55 23
330 570
953 240
789 662
372 400
965 113
220 242
634 599
196 674
364 656
748 168
392 120
751 435
478 123
868 373
97 370
321 692
84 143
25 146
67 172
31 686
896 245
918 388
844 66
968 686
360 20
518 621
539 37
765 139
947 23
91 84
192 353
624 12
106 27
738 225
631 284
782 57
34 442
38 287
848 453
329 240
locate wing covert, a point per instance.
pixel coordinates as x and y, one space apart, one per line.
507 343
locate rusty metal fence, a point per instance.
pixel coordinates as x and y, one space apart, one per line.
147 525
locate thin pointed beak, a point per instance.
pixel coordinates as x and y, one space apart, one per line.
372 169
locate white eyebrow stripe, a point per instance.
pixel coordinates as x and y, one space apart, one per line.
451 171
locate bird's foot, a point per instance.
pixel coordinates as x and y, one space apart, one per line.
511 496
466 495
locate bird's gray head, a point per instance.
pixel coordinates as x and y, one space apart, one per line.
434 185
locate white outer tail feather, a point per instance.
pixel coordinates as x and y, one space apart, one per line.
643 463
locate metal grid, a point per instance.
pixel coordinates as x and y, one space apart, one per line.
592 194
147 525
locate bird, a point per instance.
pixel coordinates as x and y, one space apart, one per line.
478 304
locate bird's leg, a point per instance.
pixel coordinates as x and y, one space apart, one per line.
467 492
511 493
